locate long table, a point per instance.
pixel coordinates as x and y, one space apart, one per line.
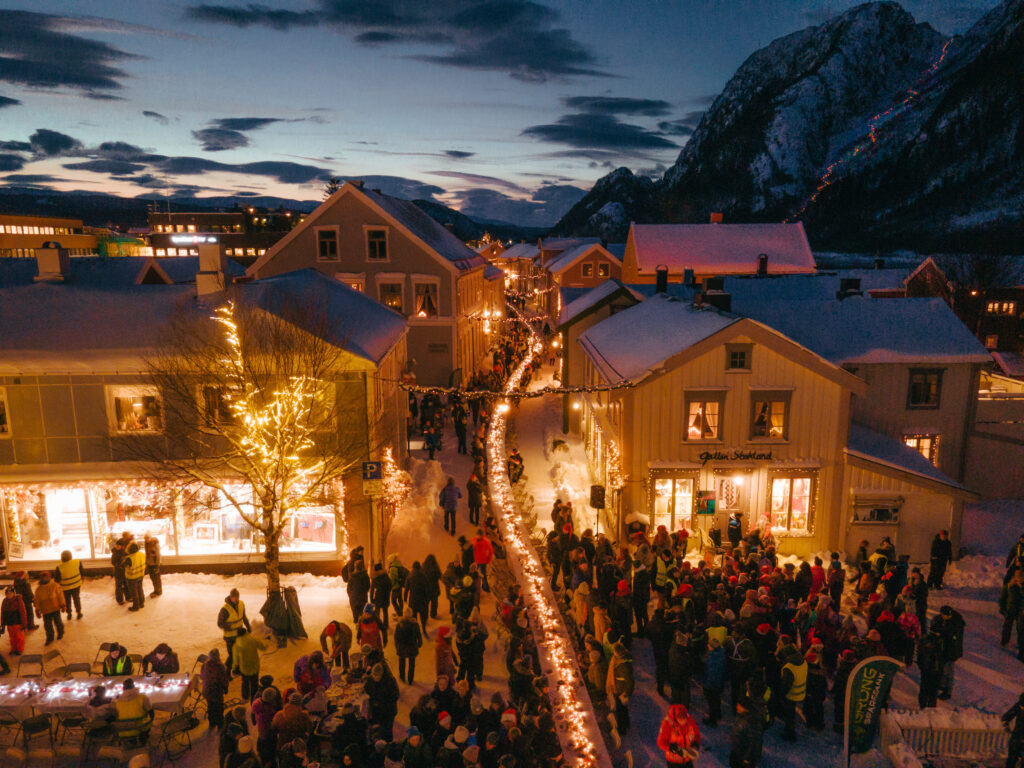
165 692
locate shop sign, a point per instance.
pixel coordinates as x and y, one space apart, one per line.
737 455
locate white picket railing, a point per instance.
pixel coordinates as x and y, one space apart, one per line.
962 733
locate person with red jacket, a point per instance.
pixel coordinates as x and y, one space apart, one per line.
483 553
679 737
14 620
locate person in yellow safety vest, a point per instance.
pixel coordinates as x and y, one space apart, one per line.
230 619
134 570
69 575
793 688
134 709
116 662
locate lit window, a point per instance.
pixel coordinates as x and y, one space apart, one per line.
161 251
703 420
991 341
250 251
604 270
769 416
326 245
191 227
391 296
1001 307
136 409
926 445
5 425
791 503
377 244
426 299
673 502
925 390
588 269
738 356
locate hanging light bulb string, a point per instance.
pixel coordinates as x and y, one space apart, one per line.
576 722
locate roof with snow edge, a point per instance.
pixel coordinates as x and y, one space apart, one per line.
667 326
1010 363
822 285
61 327
565 243
877 447
722 249
110 270
866 330
492 272
566 259
520 251
593 297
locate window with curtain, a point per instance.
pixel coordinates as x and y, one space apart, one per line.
426 300
769 416
791 503
703 420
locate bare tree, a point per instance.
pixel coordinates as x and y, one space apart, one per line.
258 412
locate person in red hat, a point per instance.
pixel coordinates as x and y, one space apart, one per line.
679 737
621 613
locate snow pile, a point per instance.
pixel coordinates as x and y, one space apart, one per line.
417 520
975 571
870 759
569 472
902 756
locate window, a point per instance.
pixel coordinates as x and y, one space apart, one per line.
791 499
376 245
426 299
391 296
769 416
991 341
588 269
925 389
214 408
738 357
673 502
5 424
604 270
326 244
703 417
136 409
926 445
1001 307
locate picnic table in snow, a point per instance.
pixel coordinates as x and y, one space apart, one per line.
165 692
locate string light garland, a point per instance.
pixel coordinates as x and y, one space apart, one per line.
582 743
397 485
470 394
613 467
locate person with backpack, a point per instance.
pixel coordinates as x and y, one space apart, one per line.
397 574
475 498
380 596
369 631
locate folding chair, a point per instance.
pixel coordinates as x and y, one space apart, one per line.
100 654
175 736
37 728
201 659
9 727
30 660
78 667
50 657
136 660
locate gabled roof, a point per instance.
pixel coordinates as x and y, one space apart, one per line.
721 249
520 251
928 263
566 259
820 286
594 298
403 214
1010 363
865 330
888 451
492 272
565 243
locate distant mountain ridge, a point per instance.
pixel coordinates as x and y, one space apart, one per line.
924 135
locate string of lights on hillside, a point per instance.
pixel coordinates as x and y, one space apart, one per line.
867 144
573 711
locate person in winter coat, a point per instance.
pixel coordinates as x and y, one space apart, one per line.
734 530
621 612
483 554
952 626
23 587
415 750
597 669
335 643
14 620
679 737
214 676
792 688
620 683
941 557
311 672
382 690
741 656
70 574
292 722
641 593
267 704
930 660
397 574
380 596
358 588
445 664
817 690
1015 749
369 630
474 498
432 572
835 580
49 604
581 608
245 661
161 661
134 572
714 681
747 736
681 667
408 640
118 554
1011 606
417 594
152 547
230 619
449 503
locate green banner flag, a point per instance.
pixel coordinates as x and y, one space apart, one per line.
867 691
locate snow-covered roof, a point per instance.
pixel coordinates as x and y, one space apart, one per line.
521 251
592 297
1010 363
109 270
492 272
567 258
874 446
865 330
565 243
823 285
722 249
666 325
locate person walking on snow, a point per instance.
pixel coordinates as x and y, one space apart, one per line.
69 574
941 556
230 619
14 620
679 737
449 501
49 604
245 661
152 548
483 554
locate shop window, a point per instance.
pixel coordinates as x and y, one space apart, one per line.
769 416
925 390
673 502
376 245
5 424
326 244
703 417
136 410
791 499
738 356
391 296
587 269
926 445
426 299
604 270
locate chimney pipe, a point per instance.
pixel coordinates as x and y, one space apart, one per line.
211 277
848 286
762 265
52 263
720 300
356 183
879 262
716 218
661 279
688 277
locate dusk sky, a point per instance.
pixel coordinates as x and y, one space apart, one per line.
506 109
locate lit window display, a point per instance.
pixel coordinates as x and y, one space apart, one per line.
136 409
673 502
791 504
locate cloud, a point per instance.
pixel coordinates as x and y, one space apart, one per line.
598 132
458 154
617 105
220 139
38 52
121 150
16 146
162 119
31 178
113 167
476 178
50 143
6 101
676 127
544 207
519 37
398 186
11 162
284 172
244 123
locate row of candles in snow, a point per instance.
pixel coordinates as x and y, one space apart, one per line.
568 707
81 689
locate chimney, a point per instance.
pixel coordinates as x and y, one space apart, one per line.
848 286
688 278
211 277
879 262
53 263
714 284
661 279
718 299
356 183
762 265
716 218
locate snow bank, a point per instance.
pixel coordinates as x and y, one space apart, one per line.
902 756
975 571
569 472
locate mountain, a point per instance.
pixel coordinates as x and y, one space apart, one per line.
876 131
465 228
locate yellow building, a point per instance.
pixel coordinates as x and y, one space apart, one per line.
20 236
